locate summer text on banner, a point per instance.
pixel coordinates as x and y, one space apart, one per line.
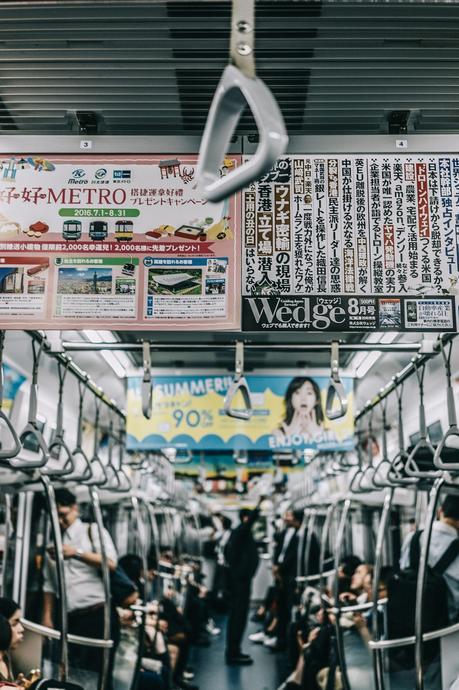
340 232
116 242
188 412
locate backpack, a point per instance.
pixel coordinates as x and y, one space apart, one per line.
402 602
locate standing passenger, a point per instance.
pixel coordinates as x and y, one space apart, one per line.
242 557
83 580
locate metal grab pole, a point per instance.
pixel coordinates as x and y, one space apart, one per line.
310 527
95 504
143 555
421 581
301 544
339 632
61 588
323 542
378 666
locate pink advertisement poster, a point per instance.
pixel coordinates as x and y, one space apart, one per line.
116 242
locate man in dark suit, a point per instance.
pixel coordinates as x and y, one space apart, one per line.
241 554
285 567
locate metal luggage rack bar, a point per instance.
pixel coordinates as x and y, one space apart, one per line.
404 374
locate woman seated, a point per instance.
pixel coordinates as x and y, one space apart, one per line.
11 636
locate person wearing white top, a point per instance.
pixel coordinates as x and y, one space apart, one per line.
444 531
83 581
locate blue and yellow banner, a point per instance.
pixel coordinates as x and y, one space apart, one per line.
288 413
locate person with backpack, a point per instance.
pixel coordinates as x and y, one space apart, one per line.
444 543
441 596
241 554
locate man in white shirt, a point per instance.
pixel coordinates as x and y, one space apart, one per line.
444 531
83 580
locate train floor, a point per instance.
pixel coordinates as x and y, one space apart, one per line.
267 672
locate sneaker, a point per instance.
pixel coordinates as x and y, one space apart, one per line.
188 674
212 629
258 637
270 642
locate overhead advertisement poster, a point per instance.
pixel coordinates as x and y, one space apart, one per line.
118 241
288 412
357 242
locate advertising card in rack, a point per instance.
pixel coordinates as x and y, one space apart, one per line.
288 412
121 241
352 243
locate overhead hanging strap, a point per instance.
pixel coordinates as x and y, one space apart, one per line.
82 466
61 459
12 445
336 391
447 452
239 383
147 390
423 451
239 86
32 429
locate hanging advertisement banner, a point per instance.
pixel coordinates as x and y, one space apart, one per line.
124 242
288 412
326 237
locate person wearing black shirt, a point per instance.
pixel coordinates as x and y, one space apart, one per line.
242 557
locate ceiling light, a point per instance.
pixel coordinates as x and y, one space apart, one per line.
113 361
120 362
365 366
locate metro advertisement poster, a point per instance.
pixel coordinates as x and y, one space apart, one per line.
352 237
119 242
288 413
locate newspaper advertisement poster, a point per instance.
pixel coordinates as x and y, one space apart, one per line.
288 412
330 235
124 242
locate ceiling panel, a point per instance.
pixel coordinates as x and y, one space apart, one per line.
152 67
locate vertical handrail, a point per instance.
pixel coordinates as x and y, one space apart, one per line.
95 504
143 555
309 535
324 540
378 666
60 573
8 531
301 544
421 581
339 633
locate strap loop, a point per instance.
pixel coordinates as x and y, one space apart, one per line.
239 383
336 390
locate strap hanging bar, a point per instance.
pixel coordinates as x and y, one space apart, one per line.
239 383
239 86
147 389
336 390
31 433
449 444
11 446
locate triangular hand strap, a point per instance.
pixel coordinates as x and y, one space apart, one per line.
11 445
232 94
238 384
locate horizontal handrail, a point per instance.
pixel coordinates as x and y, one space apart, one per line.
44 631
406 641
316 577
358 607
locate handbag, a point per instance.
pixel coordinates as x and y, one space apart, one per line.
121 585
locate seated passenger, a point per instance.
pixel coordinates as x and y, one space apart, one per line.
268 634
11 636
357 593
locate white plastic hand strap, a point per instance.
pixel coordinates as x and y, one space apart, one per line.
336 390
147 390
239 87
239 383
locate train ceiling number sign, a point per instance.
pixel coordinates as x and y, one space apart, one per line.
118 242
357 242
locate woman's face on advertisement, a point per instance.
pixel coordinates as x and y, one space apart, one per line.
304 399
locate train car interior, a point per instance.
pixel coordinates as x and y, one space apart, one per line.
229 371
